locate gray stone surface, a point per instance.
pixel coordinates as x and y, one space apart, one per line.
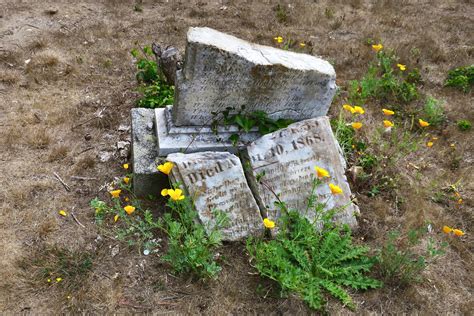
146 178
223 71
216 181
190 139
287 159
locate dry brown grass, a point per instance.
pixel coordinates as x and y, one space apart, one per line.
58 153
10 76
39 138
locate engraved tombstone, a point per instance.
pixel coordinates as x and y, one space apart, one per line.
216 181
285 161
222 71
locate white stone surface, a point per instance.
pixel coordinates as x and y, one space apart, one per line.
216 181
287 159
146 179
223 71
190 139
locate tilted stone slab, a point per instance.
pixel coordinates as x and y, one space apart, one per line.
216 181
286 159
223 71
146 179
190 139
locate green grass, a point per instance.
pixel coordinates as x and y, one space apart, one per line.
464 125
433 111
461 78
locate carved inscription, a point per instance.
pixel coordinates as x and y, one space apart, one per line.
216 181
285 161
222 71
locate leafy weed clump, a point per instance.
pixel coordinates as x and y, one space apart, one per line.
155 91
192 248
313 259
433 111
131 222
386 81
398 263
464 125
461 78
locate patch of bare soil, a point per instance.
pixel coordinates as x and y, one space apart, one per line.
67 84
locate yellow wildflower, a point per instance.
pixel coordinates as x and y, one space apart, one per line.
126 180
125 166
166 167
388 112
447 229
164 192
460 201
458 232
429 144
129 209
377 47
335 189
349 108
402 67
278 39
268 223
127 199
423 123
322 173
387 123
434 138
356 125
359 110
59 279
62 213
302 44
116 217
176 194
49 280
115 193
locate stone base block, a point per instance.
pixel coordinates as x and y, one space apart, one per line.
189 139
146 178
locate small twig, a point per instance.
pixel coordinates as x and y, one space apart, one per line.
83 178
97 115
77 221
31 25
86 121
62 182
87 149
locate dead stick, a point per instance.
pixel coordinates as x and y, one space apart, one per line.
82 178
62 182
86 121
96 115
87 149
77 221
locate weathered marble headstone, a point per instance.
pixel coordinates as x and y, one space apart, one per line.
216 181
286 159
223 71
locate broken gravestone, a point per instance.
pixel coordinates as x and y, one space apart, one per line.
284 163
215 181
223 71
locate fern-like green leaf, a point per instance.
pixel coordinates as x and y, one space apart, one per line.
338 292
